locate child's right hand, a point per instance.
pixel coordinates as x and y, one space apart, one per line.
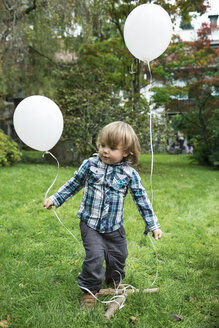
48 204
157 234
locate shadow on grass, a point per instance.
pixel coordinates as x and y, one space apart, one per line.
163 162
32 157
41 157
36 157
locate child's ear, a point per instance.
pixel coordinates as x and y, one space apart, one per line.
126 154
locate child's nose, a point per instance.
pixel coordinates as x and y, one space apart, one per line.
106 150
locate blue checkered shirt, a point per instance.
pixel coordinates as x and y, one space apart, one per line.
105 188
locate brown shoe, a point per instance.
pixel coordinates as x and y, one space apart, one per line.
88 301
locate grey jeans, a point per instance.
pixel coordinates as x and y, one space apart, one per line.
111 247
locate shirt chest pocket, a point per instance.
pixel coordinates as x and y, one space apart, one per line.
95 175
120 182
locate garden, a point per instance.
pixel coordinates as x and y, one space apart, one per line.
40 260
67 69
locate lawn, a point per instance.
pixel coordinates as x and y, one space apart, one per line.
40 260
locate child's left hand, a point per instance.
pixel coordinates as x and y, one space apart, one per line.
157 234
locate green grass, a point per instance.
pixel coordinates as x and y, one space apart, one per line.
40 261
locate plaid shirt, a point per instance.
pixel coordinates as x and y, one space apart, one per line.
105 188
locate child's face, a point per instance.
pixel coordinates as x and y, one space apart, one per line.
111 155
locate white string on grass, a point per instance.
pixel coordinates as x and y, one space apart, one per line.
48 152
114 298
157 262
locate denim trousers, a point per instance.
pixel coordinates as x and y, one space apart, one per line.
99 247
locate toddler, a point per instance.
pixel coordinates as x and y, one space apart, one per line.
106 179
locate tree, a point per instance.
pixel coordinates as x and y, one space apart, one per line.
87 102
31 34
101 45
191 88
29 38
93 93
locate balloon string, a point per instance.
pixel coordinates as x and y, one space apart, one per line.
112 300
120 286
157 261
64 225
152 165
151 137
48 152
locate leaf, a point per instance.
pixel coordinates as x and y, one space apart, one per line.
133 319
177 317
4 323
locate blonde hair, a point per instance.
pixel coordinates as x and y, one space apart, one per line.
121 133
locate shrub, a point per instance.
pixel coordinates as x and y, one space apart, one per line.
203 128
9 152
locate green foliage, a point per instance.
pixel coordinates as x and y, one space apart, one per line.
192 90
87 104
9 152
103 82
163 96
203 129
88 95
29 40
213 128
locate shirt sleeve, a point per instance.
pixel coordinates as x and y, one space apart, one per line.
72 186
143 203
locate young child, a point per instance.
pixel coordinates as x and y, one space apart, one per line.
106 179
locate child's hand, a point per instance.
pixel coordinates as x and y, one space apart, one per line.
157 234
48 204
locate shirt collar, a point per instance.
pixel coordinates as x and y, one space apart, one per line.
123 163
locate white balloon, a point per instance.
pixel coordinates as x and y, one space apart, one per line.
147 31
38 122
